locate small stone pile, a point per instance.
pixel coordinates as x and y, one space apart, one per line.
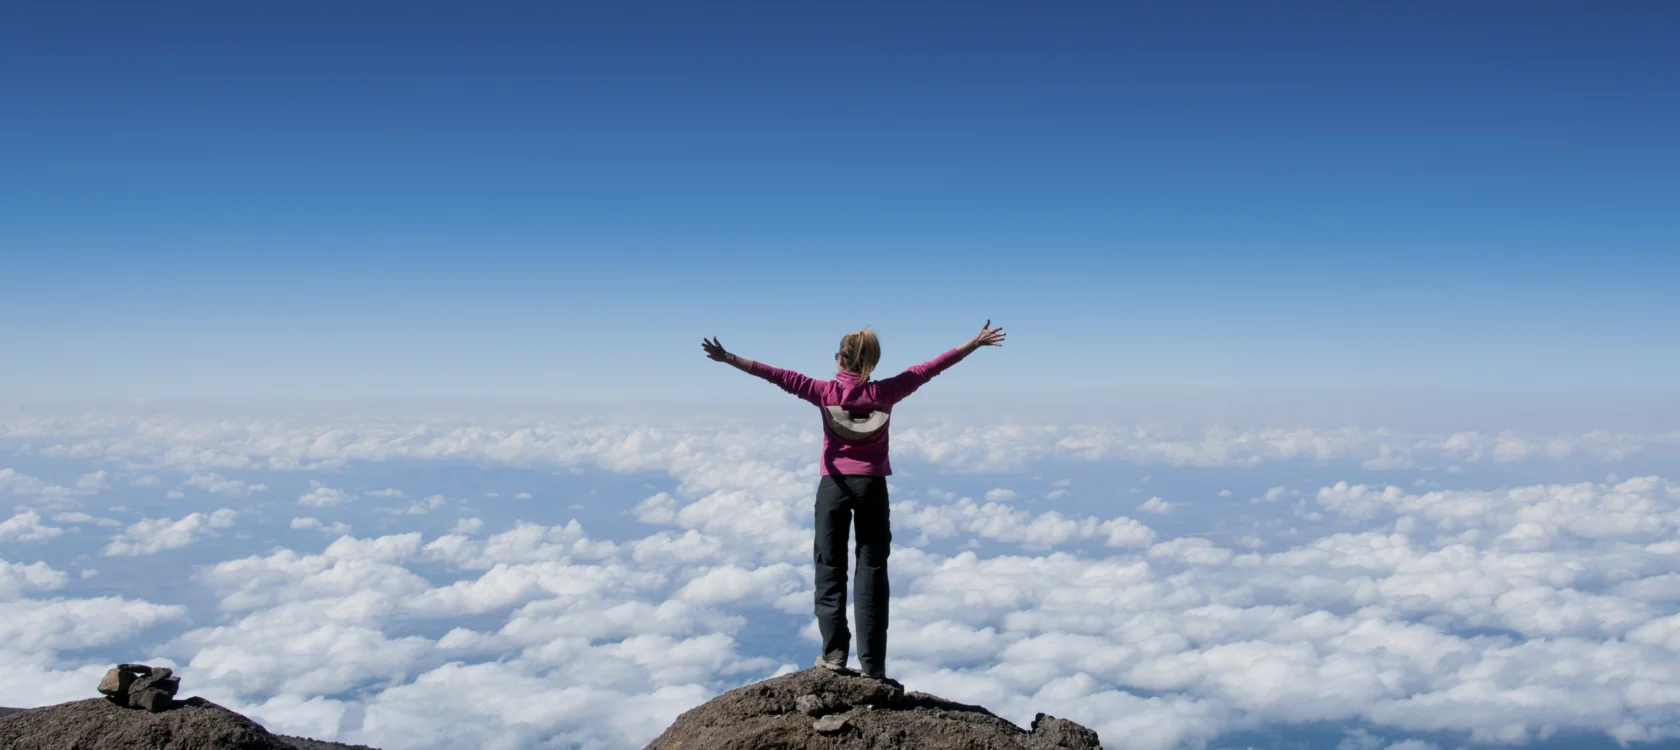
140 686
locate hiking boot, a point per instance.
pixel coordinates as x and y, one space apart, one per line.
880 675
835 662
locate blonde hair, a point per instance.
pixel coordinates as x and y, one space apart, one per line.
860 351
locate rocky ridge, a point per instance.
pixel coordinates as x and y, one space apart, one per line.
140 712
818 708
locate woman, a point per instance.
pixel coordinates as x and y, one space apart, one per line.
854 469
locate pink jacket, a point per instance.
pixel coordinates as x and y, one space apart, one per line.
868 456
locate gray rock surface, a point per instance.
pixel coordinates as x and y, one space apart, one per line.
869 714
101 724
811 705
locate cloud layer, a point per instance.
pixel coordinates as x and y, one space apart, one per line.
1499 615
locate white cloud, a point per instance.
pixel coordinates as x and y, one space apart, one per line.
522 496
17 579
431 503
216 484
1005 523
22 484
337 528
93 482
524 543
153 535
730 584
72 624
1388 458
384 493
80 517
660 509
665 549
26 526
1156 505
1000 495
1191 551
322 496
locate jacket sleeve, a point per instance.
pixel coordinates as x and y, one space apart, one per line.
790 381
894 389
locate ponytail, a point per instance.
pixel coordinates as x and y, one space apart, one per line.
860 351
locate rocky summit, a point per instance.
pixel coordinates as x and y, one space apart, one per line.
140 712
818 708
101 724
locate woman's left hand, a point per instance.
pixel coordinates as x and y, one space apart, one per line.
988 336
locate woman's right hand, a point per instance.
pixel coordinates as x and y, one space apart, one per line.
714 350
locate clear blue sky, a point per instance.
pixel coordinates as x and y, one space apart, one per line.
300 200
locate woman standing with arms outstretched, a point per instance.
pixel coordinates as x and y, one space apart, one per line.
854 468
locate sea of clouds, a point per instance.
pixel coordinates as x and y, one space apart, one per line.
412 581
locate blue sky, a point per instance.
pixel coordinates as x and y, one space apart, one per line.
400 200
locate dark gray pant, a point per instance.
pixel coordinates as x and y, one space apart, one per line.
840 500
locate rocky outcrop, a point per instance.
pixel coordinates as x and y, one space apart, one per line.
818 708
101 724
139 712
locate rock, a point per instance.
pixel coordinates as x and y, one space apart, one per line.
154 691
152 700
810 705
829 724
116 682
158 680
1063 733
99 724
777 713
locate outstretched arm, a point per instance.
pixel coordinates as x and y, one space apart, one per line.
895 388
715 352
787 380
